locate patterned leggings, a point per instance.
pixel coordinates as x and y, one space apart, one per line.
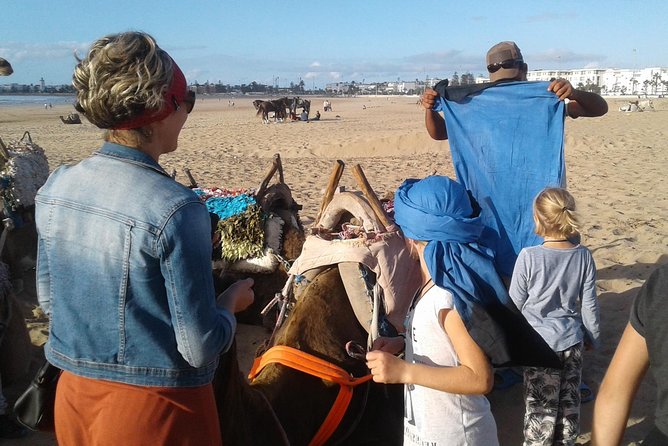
552 399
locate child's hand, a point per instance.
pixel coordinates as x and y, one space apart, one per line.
238 296
385 367
393 345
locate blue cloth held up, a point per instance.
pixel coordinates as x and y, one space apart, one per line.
507 144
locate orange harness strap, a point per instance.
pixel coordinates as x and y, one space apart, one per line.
304 362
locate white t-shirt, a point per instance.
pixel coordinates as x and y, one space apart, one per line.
433 417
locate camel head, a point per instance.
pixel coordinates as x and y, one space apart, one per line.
5 68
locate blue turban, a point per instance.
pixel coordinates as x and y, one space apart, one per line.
439 211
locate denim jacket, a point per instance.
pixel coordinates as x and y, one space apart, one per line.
124 270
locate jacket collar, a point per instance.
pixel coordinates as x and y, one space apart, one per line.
130 155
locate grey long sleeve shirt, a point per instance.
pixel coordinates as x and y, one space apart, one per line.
555 289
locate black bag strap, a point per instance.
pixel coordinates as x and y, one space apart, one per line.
46 374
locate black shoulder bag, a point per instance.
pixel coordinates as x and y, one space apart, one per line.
34 408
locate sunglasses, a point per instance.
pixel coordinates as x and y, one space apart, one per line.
512 63
189 100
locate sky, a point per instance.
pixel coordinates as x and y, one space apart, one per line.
320 42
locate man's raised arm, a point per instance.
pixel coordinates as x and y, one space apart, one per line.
433 120
581 103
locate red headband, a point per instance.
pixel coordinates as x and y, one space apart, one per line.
177 90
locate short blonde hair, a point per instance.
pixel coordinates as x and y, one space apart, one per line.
121 77
554 213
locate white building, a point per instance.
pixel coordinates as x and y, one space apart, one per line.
612 81
401 87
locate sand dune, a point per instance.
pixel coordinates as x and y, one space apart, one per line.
616 166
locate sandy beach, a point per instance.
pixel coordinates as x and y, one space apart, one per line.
616 164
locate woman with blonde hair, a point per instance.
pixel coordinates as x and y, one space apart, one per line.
124 264
554 285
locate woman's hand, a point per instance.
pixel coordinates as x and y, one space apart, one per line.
386 368
238 296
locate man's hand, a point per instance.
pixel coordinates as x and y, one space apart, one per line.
433 121
562 88
428 98
582 103
238 296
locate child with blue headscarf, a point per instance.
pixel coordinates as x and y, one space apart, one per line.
460 324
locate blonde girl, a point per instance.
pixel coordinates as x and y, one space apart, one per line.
554 286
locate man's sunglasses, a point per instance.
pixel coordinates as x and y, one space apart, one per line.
189 100
512 63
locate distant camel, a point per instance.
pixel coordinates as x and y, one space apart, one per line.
5 68
72 118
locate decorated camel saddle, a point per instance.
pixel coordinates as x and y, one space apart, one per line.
256 233
354 232
253 231
23 170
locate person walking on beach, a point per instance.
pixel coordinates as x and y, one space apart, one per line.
124 264
643 346
554 285
518 148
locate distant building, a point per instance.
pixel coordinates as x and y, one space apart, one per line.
401 87
612 81
651 81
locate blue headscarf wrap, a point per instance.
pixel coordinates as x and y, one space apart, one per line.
439 211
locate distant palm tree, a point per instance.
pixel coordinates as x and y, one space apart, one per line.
656 80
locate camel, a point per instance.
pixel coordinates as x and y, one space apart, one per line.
72 118
25 164
285 406
305 104
15 345
5 68
18 254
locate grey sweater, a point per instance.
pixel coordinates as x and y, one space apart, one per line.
555 289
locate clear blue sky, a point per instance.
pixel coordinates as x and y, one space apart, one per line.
238 41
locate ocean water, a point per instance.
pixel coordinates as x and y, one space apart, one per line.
36 100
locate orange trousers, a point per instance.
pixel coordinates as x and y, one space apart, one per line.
92 412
